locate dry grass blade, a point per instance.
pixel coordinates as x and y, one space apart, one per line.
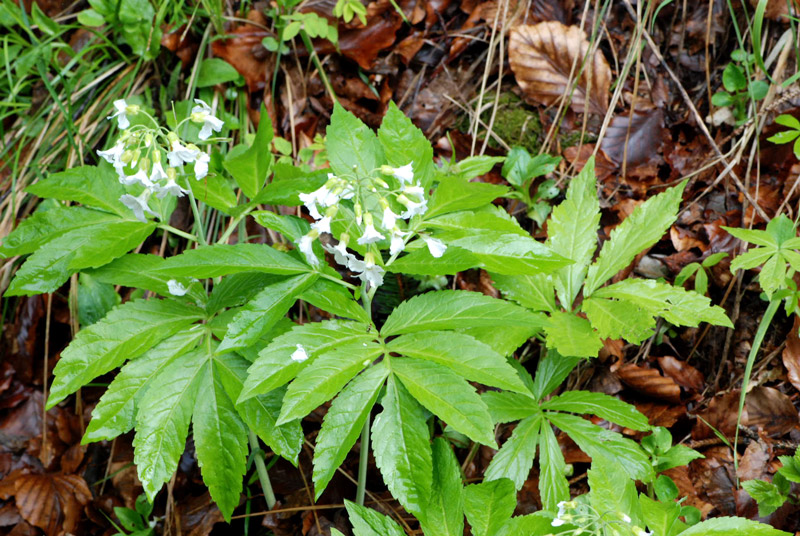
542 56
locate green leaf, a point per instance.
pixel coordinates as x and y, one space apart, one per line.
639 231
463 354
766 494
447 395
508 407
613 492
260 413
215 191
675 304
289 226
45 225
85 247
402 448
93 186
489 219
444 513
454 194
215 71
553 485
250 168
503 340
138 270
489 505
115 413
787 136
599 442
237 289
353 149
258 316
572 335
402 143
534 291
572 233
220 440
162 422
91 18
474 166
288 183
275 367
334 298
126 332
733 78
368 522
618 319
536 524
676 456
224 259
550 372
604 406
95 299
662 518
515 457
732 526
456 309
421 262
343 423
788 121
331 371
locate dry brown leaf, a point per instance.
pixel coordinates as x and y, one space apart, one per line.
771 410
721 414
650 382
52 502
542 57
661 414
641 135
753 464
684 375
791 354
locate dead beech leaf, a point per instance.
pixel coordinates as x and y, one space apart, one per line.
791 354
650 382
542 56
661 414
753 464
52 502
771 410
684 375
634 138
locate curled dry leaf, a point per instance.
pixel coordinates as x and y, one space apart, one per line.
52 502
542 57
684 375
720 413
791 354
753 464
770 410
650 382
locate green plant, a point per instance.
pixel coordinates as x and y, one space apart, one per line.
520 169
788 136
135 520
700 272
348 9
135 20
739 90
771 495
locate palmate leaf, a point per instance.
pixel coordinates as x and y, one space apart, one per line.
402 448
447 395
224 259
367 522
454 194
115 413
94 186
444 514
604 406
343 423
85 247
330 372
643 228
503 340
335 299
508 407
250 167
489 505
456 309
732 526
463 354
125 333
275 367
515 458
599 442
550 372
263 311
420 262
238 289
553 485
572 233
613 491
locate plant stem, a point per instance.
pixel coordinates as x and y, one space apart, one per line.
201 235
232 225
263 477
766 320
178 232
363 460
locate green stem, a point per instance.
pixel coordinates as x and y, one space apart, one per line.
263 477
766 320
201 235
178 232
339 281
315 59
363 460
232 225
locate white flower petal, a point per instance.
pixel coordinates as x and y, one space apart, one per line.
405 174
435 246
305 245
176 288
299 354
370 236
201 166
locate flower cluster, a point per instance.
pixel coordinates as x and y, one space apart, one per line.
587 520
140 153
398 203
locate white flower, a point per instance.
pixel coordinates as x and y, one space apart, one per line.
121 108
413 208
323 225
305 245
638 531
176 288
435 246
372 273
398 241
370 236
114 156
203 114
309 200
138 205
300 354
157 174
180 154
404 174
201 166
389 218
625 517
140 177
557 522
171 187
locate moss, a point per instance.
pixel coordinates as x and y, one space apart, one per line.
515 124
